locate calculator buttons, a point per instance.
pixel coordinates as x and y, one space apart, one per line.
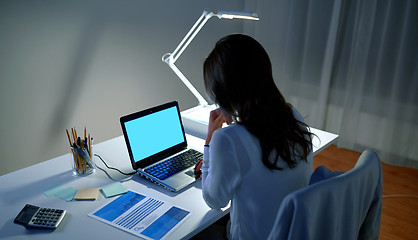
36 217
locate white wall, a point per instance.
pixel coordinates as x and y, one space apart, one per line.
83 63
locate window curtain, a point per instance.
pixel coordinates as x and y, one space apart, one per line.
350 67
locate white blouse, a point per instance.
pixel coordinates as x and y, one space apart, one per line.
233 171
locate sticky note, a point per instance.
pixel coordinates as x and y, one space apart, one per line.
113 190
53 191
67 194
87 194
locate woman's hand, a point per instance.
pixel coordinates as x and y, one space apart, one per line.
216 119
197 169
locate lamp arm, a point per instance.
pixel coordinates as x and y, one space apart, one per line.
186 82
171 58
191 35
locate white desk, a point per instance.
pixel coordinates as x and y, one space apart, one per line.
27 186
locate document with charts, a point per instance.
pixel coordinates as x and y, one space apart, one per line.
140 215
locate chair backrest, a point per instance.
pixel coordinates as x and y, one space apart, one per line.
347 206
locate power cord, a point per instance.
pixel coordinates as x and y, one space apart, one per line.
112 168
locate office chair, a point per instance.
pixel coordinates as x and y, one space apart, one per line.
343 206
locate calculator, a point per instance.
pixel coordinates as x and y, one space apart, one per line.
37 217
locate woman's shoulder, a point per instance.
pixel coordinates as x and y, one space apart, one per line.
297 115
233 132
233 128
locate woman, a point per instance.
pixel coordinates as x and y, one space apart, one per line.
265 154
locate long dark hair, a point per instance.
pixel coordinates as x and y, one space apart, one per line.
238 77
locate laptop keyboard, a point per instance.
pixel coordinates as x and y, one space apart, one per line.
175 164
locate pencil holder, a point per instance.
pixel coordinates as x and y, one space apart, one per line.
82 160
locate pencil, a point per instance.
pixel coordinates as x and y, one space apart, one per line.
90 150
74 137
84 165
75 156
75 160
79 160
69 138
72 150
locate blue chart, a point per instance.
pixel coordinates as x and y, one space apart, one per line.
139 213
118 207
165 223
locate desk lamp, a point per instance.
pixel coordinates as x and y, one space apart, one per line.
196 119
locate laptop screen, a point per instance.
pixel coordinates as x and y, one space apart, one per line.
153 134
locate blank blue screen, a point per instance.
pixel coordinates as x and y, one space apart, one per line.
154 133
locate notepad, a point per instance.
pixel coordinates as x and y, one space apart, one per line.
53 191
87 194
68 194
65 193
113 189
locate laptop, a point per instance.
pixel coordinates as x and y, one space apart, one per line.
157 146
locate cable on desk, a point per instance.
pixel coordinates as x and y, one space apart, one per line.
113 179
128 174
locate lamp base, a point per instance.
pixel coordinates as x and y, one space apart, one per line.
196 120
